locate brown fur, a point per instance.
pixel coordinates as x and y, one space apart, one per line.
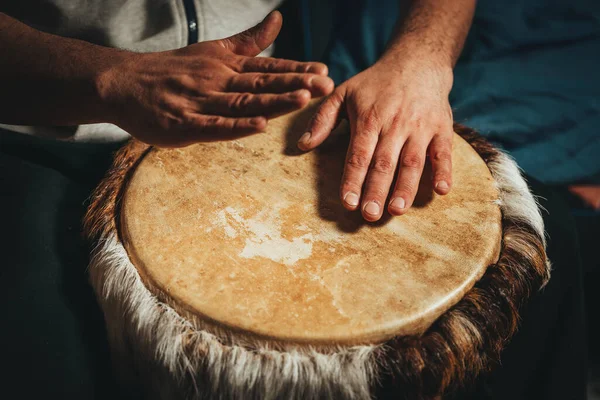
469 338
101 215
462 343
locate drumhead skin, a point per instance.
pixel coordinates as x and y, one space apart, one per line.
204 260
250 235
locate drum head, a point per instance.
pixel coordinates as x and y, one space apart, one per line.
251 236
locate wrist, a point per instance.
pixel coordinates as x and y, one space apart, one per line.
107 79
420 63
412 47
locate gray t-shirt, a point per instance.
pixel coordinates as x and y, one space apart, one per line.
137 25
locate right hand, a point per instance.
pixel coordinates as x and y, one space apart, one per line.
208 91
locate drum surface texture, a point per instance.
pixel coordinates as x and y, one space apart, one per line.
251 235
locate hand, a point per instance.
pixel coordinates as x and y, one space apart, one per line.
589 194
398 112
208 91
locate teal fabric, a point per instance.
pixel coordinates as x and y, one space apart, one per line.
527 78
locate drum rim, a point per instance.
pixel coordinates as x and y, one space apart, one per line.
415 323
439 363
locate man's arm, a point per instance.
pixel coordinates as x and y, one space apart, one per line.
47 79
434 28
207 91
398 110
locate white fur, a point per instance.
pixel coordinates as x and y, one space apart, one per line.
516 200
209 362
294 372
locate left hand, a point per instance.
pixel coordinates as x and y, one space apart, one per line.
399 113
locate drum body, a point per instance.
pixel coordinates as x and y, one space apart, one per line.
230 270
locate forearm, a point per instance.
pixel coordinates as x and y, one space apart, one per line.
50 80
433 30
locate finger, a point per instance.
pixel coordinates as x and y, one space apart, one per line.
440 154
381 174
412 160
323 122
363 139
254 40
280 83
280 65
208 128
251 105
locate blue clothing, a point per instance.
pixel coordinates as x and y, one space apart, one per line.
527 79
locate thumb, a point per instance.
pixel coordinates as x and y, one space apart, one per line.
254 40
327 117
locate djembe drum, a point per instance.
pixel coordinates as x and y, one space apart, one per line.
231 270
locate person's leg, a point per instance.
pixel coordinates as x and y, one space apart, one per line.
54 342
588 230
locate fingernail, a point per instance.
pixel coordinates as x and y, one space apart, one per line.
351 199
441 185
304 139
372 208
398 202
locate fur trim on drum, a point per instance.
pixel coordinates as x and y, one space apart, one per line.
175 355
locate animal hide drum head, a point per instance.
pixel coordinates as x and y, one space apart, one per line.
250 235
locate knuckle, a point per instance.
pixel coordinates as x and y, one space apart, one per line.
444 138
245 38
337 97
242 64
383 165
441 156
358 159
437 122
319 119
326 109
164 123
187 120
436 128
176 119
296 98
377 192
213 121
414 118
236 124
371 121
406 189
233 83
191 82
272 65
416 122
303 67
261 82
412 160
396 124
200 123
240 102
204 123
299 67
